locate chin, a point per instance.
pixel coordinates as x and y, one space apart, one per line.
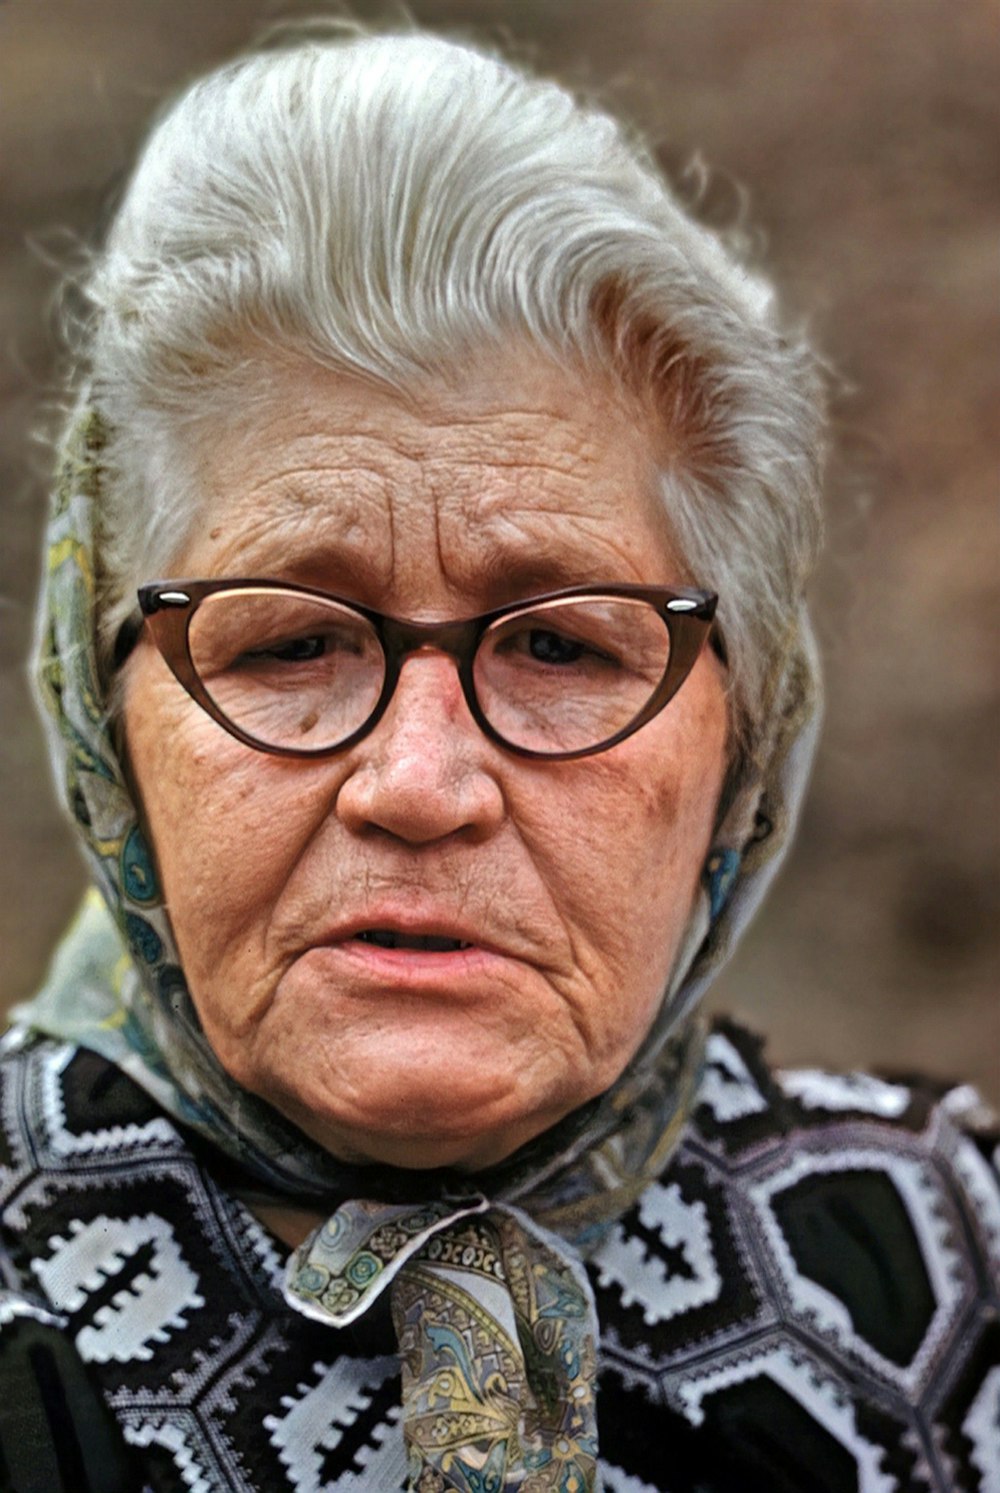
421 1118
445 1090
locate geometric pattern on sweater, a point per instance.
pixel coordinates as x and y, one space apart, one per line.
806 1301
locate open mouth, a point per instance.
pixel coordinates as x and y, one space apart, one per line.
430 943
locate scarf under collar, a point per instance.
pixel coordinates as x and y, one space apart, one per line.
493 1313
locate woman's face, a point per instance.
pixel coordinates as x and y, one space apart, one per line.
572 881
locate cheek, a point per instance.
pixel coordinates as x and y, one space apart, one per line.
637 857
225 825
632 836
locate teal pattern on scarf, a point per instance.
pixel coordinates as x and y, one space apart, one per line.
495 1322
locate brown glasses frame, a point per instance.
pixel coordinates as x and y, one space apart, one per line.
168 608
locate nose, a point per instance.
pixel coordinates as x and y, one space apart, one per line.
424 773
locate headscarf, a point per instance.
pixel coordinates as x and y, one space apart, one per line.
493 1312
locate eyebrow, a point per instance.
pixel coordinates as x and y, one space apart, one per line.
502 574
507 578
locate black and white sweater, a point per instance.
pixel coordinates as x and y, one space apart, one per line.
806 1302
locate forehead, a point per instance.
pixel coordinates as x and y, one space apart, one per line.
521 478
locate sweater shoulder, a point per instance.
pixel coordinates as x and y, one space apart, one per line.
815 1276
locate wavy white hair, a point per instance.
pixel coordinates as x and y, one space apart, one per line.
396 205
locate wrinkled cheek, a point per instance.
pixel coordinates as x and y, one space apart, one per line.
610 887
650 837
212 865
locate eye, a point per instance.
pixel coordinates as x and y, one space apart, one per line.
296 650
558 648
336 645
553 648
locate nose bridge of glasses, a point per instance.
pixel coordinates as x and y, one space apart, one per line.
401 638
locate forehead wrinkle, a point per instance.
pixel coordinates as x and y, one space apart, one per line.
550 457
511 561
291 532
517 494
562 513
521 534
432 503
523 434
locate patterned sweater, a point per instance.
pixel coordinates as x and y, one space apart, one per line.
806 1302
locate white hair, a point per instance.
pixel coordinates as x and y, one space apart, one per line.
395 206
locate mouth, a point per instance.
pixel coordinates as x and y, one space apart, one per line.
427 943
421 952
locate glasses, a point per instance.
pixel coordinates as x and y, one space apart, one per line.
300 673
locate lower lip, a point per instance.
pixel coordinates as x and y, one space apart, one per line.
413 968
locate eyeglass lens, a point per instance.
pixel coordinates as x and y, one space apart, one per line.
306 672
569 674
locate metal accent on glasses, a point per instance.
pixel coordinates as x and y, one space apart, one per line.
299 672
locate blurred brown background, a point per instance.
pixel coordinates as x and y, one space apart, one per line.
865 133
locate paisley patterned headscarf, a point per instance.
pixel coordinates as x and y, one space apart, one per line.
493 1313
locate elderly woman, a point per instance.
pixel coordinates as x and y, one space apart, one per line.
432 691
